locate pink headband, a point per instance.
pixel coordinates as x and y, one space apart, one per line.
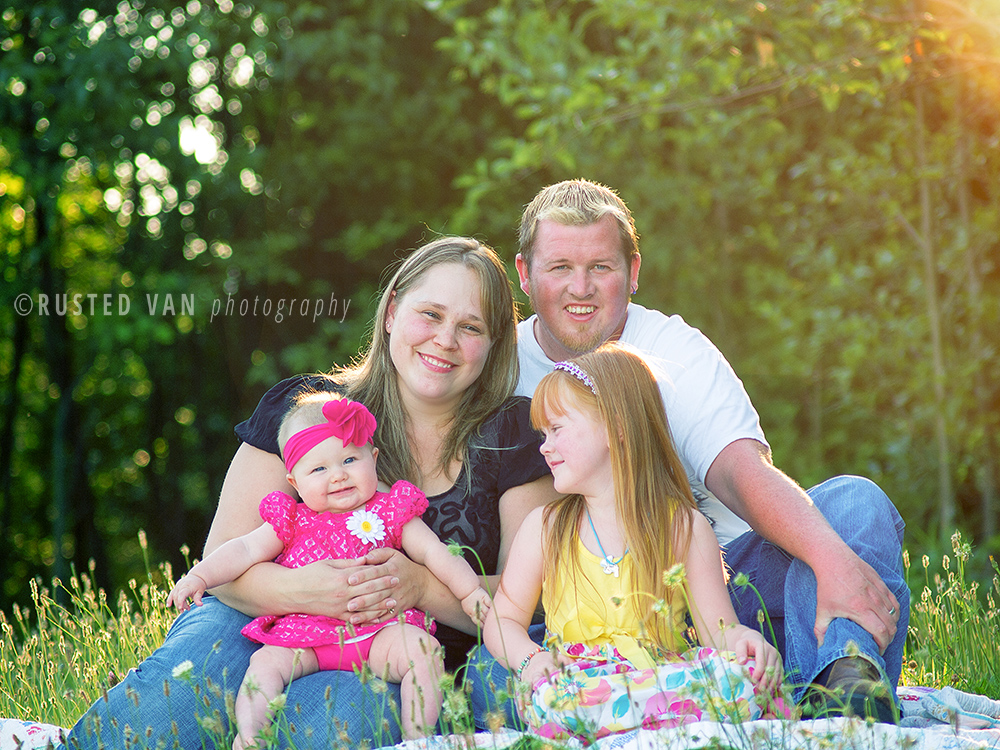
347 420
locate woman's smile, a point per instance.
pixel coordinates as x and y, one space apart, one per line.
436 362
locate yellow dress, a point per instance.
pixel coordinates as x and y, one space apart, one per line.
590 617
590 607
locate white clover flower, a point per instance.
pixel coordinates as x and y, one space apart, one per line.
183 670
366 526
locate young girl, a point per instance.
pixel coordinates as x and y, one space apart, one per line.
604 560
326 446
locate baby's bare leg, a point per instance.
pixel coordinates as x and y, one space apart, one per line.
414 661
271 668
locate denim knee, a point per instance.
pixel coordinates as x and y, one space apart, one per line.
493 686
856 506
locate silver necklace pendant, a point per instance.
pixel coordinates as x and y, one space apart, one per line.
609 567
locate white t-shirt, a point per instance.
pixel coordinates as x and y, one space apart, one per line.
707 406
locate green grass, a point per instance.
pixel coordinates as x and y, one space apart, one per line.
56 659
954 627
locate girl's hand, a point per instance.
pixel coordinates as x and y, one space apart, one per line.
477 605
191 586
767 672
544 664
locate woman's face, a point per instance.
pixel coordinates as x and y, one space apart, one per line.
438 339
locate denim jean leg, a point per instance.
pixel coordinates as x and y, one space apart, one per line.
492 683
870 525
332 709
153 706
149 700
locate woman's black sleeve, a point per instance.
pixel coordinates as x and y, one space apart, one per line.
261 429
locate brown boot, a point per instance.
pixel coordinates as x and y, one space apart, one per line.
851 686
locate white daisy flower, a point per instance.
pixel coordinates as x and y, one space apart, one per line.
366 526
183 670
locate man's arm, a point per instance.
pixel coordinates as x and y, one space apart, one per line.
743 477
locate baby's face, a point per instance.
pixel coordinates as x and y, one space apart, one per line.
336 477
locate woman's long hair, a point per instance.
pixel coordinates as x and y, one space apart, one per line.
372 378
652 493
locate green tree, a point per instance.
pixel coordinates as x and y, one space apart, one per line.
770 155
195 158
94 174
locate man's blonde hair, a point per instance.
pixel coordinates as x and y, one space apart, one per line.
577 203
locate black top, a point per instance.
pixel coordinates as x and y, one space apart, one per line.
503 454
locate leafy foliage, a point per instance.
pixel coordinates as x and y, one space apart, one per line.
207 161
769 154
200 179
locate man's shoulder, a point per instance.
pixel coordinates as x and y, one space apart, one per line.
651 330
524 327
528 348
531 359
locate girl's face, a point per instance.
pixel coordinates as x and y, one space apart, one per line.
335 477
577 451
438 339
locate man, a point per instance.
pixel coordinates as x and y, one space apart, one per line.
826 562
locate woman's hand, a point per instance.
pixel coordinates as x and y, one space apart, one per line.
349 590
389 583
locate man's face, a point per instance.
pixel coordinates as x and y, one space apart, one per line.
579 284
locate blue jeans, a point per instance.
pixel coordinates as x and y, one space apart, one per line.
329 709
864 518
867 520
493 685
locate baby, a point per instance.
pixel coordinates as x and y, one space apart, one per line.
326 445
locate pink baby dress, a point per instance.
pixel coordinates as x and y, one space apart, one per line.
309 536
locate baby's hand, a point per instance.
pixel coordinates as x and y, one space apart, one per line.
477 605
190 586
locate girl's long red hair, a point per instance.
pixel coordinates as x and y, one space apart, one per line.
652 492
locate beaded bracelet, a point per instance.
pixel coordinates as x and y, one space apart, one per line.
526 659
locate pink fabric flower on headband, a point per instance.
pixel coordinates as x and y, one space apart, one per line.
350 421
345 419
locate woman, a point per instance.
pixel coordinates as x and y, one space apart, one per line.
438 376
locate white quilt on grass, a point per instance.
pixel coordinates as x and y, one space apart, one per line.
817 734
932 719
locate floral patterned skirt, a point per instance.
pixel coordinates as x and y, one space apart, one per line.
594 699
